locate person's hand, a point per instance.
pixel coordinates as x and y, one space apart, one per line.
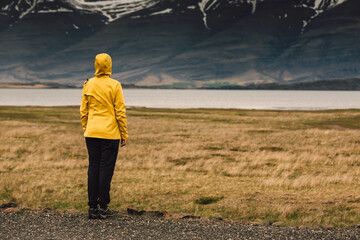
123 142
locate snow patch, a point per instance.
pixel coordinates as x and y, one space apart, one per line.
29 9
205 5
320 4
319 7
54 10
305 23
335 3
340 2
317 4
161 12
253 2
113 9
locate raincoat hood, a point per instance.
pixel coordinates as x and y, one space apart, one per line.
103 65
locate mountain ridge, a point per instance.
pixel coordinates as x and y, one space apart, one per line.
180 43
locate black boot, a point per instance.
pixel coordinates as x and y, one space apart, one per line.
93 213
105 213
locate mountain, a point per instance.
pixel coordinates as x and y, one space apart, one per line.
180 43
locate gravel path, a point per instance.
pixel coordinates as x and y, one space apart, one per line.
52 225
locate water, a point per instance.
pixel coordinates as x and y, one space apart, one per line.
172 98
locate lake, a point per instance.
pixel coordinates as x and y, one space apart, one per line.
176 98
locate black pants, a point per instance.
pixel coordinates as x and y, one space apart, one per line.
102 159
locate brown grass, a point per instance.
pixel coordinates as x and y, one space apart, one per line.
296 167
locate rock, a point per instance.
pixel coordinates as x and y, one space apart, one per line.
46 210
11 209
133 211
167 215
153 214
59 211
183 216
27 210
8 205
277 224
255 223
268 223
191 217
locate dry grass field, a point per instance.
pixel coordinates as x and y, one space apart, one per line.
300 168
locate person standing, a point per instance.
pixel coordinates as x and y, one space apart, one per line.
103 118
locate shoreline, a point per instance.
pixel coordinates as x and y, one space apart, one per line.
352 84
35 86
288 100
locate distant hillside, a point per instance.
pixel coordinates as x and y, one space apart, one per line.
348 84
181 44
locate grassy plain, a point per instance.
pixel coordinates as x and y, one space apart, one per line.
297 167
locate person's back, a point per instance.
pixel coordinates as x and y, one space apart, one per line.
103 117
103 113
102 94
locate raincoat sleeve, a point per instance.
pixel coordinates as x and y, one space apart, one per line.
120 112
84 110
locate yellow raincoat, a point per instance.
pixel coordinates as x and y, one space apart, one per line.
103 112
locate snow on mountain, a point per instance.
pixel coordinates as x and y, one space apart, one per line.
208 5
320 6
31 6
19 9
253 2
325 4
115 9
111 9
205 5
188 40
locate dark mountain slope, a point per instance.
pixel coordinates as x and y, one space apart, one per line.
329 48
138 46
176 43
247 47
39 35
